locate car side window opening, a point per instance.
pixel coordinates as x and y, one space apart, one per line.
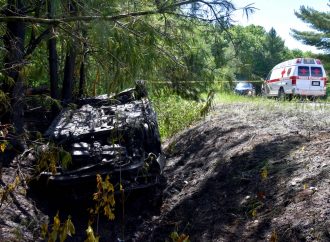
303 71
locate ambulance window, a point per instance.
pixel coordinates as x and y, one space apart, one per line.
316 71
303 71
288 72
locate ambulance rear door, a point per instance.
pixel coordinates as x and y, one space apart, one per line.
316 78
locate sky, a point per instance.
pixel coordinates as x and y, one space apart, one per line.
279 14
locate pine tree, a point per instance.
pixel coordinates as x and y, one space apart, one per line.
320 22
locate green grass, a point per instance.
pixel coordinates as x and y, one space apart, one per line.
272 103
175 113
227 97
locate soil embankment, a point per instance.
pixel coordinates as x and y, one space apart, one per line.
248 172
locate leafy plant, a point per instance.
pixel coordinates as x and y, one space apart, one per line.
4 102
175 113
208 104
90 235
176 237
8 190
59 231
104 197
3 145
50 156
104 200
264 173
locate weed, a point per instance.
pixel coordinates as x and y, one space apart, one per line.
49 157
4 102
175 113
176 237
104 200
208 104
43 101
90 235
8 190
61 231
3 145
104 197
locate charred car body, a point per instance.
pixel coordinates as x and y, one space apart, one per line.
108 135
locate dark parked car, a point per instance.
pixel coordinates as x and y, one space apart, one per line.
244 88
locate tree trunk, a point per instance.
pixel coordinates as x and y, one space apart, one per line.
68 80
52 58
82 78
13 62
53 68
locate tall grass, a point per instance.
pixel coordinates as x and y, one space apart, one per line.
175 113
296 104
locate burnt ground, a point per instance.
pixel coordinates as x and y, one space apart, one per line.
248 172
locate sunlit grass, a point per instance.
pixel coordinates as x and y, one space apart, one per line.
226 97
296 103
175 113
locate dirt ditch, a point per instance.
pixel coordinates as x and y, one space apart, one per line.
248 172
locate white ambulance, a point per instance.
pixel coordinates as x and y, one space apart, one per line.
301 76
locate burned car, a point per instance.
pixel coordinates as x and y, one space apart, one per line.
114 135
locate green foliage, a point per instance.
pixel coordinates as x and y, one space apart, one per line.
257 51
248 44
3 146
4 103
176 237
35 73
187 53
319 21
65 158
247 53
90 235
175 113
218 49
43 101
155 47
273 53
59 232
50 157
208 104
4 193
104 197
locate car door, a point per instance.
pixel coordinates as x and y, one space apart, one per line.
316 83
303 82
